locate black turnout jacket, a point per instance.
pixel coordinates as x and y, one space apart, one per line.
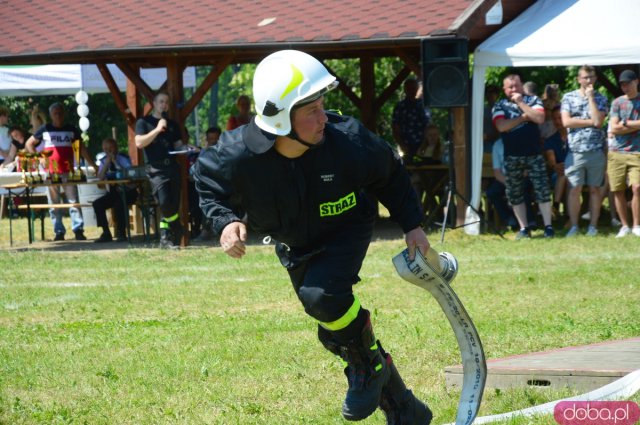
303 201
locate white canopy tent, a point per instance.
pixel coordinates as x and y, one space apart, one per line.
552 32
40 80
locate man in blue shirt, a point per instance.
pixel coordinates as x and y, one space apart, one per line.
517 118
583 112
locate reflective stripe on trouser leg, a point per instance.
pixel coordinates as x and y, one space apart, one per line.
164 223
172 218
346 318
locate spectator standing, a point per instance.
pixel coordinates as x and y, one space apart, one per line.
243 104
18 143
496 191
409 121
212 136
490 133
624 152
37 118
409 126
113 163
304 177
58 138
583 113
158 136
555 149
550 99
5 139
517 118
530 88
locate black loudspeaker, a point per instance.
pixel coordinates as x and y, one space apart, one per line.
445 72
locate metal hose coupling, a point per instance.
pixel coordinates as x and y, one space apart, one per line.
444 263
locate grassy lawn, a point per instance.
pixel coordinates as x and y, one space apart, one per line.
143 336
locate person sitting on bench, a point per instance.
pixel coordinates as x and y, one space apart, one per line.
112 167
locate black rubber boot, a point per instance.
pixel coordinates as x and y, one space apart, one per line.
166 239
366 371
177 231
398 403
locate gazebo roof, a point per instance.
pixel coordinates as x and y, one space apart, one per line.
44 31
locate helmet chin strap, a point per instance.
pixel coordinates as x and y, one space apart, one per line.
294 136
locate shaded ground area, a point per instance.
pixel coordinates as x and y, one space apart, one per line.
385 229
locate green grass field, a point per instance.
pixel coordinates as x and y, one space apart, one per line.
143 336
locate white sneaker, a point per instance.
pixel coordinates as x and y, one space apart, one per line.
636 230
615 222
586 216
573 231
591 231
624 231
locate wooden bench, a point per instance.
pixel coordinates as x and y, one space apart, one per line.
54 206
41 208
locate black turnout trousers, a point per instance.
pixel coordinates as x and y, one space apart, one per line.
165 186
323 276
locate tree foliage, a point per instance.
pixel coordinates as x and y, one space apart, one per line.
104 117
219 102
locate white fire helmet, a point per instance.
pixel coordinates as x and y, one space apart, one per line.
282 80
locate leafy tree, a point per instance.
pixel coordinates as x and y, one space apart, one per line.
103 115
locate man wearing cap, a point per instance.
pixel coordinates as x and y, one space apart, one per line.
623 165
583 112
305 177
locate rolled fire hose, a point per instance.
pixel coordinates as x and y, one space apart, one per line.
434 274
620 389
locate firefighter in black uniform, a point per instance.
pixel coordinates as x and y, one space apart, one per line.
301 175
158 136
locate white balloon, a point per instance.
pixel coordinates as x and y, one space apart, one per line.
82 97
83 110
84 123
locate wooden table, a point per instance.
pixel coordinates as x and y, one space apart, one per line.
29 188
438 184
434 178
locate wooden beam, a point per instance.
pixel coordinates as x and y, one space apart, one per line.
410 61
135 78
134 108
345 89
393 86
209 81
115 93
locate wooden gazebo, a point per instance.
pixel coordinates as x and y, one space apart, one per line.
176 34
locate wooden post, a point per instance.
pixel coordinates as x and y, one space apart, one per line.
368 87
460 160
135 109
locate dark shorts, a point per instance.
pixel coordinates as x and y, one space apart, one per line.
517 168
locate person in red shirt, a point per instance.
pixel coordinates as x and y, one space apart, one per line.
243 103
58 138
